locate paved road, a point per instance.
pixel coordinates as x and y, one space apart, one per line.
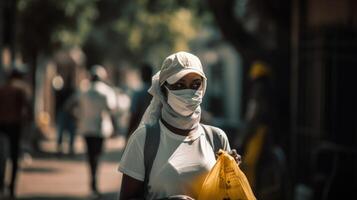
46 175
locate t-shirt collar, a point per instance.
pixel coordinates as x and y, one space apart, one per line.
193 135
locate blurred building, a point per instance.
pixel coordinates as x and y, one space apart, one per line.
323 107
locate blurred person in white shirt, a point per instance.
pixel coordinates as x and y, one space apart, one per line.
95 118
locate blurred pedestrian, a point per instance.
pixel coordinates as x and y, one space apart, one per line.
67 124
3 159
15 111
65 121
257 140
95 121
140 99
64 87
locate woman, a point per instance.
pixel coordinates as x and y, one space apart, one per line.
184 154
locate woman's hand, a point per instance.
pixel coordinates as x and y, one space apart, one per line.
232 153
236 156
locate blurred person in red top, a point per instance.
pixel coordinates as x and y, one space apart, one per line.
14 112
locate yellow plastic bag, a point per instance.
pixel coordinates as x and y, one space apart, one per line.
226 181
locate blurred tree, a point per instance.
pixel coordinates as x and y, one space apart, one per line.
256 28
140 31
50 25
46 26
108 30
260 30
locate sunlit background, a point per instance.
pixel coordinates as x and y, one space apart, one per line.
306 48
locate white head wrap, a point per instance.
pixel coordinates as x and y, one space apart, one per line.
173 68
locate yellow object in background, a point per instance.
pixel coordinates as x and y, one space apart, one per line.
226 181
259 69
253 153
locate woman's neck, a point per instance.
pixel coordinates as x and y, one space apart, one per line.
175 130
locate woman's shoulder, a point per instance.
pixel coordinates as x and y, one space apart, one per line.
214 129
218 136
139 134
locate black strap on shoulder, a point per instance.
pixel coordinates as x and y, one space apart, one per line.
152 141
213 137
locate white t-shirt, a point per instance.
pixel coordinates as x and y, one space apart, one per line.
95 105
180 166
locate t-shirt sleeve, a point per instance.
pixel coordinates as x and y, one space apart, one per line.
132 161
224 139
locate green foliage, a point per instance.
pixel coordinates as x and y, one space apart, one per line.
49 25
133 31
142 30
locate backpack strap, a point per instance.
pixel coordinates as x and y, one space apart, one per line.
213 137
152 141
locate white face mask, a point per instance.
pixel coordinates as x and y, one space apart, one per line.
184 102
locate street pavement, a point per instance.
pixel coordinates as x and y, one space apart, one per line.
47 175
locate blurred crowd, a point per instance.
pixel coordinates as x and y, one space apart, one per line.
93 109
